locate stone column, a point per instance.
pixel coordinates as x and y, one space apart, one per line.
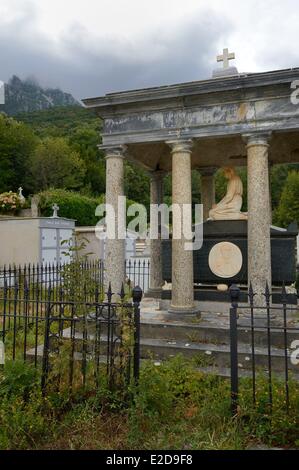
207 190
259 242
115 248
156 279
270 192
182 300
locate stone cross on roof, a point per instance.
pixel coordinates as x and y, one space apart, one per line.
55 208
225 58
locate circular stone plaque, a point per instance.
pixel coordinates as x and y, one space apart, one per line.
225 260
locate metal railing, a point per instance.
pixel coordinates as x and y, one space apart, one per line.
266 337
138 273
36 278
76 338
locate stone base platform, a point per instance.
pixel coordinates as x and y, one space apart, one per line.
210 294
206 339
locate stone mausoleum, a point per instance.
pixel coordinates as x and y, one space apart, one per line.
231 120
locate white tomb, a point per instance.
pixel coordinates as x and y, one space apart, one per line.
34 240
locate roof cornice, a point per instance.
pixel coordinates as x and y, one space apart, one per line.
202 87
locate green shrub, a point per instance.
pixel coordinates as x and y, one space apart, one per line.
173 407
18 379
176 406
23 420
165 387
274 426
22 424
72 205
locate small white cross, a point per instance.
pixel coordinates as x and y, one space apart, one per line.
55 208
225 58
21 197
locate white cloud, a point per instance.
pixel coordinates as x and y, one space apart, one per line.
94 46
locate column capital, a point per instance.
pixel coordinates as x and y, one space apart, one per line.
257 138
207 170
117 151
180 145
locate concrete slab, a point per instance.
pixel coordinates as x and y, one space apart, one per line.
211 312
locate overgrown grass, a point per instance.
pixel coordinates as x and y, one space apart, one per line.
174 407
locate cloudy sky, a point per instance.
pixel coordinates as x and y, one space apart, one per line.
91 47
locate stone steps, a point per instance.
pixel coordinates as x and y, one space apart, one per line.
207 333
212 369
30 354
204 354
206 340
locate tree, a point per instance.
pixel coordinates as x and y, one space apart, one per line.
54 164
17 143
279 174
137 184
288 208
85 141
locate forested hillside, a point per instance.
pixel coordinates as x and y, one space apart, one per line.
60 121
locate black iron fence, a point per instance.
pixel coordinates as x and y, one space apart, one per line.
90 277
33 280
74 342
138 273
264 342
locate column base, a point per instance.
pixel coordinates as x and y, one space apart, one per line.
183 312
153 293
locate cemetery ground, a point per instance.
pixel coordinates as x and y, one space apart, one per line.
173 407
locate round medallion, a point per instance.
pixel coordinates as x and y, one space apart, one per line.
225 260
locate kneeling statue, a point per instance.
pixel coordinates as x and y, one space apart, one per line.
229 208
